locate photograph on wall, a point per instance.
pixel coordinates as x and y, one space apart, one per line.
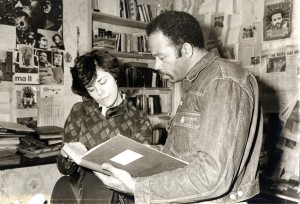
26 97
255 60
278 19
217 25
47 15
26 56
49 74
276 64
58 67
248 32
6 66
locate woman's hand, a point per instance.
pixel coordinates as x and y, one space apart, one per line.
81 148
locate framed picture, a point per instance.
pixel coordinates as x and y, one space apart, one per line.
278 19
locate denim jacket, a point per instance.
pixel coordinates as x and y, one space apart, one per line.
217 129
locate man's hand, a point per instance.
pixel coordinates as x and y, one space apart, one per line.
119 180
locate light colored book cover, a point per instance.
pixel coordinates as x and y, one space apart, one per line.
124 153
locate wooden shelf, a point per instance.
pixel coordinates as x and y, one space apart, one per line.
146 88
27 162
106 18
139 55
289 194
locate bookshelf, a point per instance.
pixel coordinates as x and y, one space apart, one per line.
117 24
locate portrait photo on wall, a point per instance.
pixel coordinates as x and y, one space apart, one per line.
26 56
278 19
217 25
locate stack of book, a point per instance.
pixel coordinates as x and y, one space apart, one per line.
50 135
32 147
44 142
10 134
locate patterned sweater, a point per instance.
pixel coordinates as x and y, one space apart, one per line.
86 124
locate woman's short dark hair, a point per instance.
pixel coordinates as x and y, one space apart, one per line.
179 26
84 71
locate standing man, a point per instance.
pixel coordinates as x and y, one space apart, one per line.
217 127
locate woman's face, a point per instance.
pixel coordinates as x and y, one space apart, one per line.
104 89
57 39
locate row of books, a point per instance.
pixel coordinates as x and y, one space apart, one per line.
137 74
122 42
137 10
150 104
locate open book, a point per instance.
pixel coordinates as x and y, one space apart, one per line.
124 153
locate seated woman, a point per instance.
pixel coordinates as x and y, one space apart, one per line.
104 113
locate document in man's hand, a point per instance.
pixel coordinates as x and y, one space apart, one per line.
124 153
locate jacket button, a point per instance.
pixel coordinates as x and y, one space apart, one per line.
232 196
240 193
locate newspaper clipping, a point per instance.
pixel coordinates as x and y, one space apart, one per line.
279 78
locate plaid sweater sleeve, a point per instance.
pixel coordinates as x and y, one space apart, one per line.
71 131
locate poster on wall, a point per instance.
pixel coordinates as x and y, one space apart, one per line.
26 71
26 99
278 19
29 16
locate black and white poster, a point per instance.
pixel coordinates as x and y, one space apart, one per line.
278 19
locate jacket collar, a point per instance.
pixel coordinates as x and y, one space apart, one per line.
201 64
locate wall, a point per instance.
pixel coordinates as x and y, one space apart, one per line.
22 184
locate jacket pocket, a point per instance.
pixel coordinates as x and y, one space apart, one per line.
188 120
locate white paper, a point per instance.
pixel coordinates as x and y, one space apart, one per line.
8 37
126 157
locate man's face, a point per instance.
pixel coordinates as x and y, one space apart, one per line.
43 57
277 20
57 59
167 63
